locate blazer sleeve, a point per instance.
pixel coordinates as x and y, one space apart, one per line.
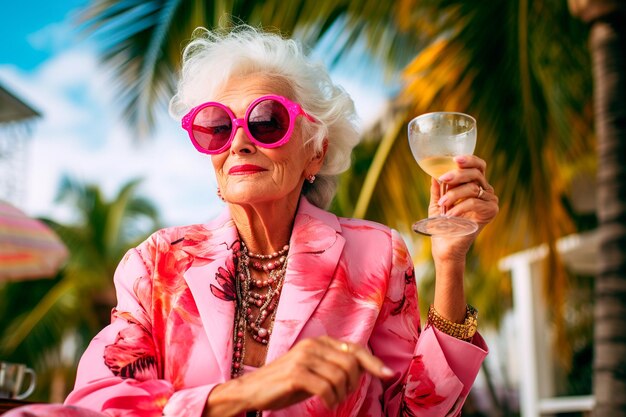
434 372
119 372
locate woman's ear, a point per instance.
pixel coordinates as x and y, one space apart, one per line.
317 159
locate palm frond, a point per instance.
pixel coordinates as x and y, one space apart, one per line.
42 323
142 40
116 212
378 163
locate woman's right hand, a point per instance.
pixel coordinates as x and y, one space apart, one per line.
326 367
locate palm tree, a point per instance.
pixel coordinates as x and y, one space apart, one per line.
607 20
53 325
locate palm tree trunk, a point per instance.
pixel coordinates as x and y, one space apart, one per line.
608 49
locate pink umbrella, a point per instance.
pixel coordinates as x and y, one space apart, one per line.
28 248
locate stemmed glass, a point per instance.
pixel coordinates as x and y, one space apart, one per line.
435 139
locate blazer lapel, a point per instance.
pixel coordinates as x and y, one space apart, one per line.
315 249
211 282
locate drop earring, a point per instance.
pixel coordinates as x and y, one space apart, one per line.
219 194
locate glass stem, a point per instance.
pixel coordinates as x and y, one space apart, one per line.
443 189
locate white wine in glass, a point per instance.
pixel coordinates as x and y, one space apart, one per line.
435 139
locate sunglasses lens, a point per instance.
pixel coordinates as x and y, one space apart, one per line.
212 127
268 121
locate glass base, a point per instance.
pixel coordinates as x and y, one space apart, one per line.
445 226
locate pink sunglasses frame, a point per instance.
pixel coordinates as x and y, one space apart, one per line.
293 109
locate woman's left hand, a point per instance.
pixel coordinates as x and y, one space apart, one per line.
464 198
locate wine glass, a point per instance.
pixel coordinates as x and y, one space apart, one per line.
435 139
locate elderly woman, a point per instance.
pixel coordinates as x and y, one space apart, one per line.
277 304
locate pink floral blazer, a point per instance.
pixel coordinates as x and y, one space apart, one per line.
170 340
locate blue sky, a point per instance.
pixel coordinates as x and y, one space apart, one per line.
24 26
56 71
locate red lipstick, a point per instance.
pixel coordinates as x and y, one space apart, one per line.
245 169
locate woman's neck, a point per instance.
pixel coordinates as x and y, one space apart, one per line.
265 227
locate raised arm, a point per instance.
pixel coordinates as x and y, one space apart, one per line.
433 371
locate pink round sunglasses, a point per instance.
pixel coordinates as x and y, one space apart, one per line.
268 122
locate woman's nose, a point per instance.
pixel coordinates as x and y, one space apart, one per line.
241 142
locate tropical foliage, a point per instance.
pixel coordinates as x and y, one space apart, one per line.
48 323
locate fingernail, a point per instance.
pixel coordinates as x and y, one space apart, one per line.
386 371
446 177
443 200
460 159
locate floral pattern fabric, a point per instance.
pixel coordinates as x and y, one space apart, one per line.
170 340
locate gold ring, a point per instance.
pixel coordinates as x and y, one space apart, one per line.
481 191
344 347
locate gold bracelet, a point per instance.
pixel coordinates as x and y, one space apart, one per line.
463 331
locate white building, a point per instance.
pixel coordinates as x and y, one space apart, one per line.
530 355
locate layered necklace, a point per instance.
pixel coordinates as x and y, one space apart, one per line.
257 299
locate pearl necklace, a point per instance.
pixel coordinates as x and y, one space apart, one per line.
250 298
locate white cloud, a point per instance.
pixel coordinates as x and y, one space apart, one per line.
369 103
80 135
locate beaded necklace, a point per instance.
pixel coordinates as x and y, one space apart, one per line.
250 298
